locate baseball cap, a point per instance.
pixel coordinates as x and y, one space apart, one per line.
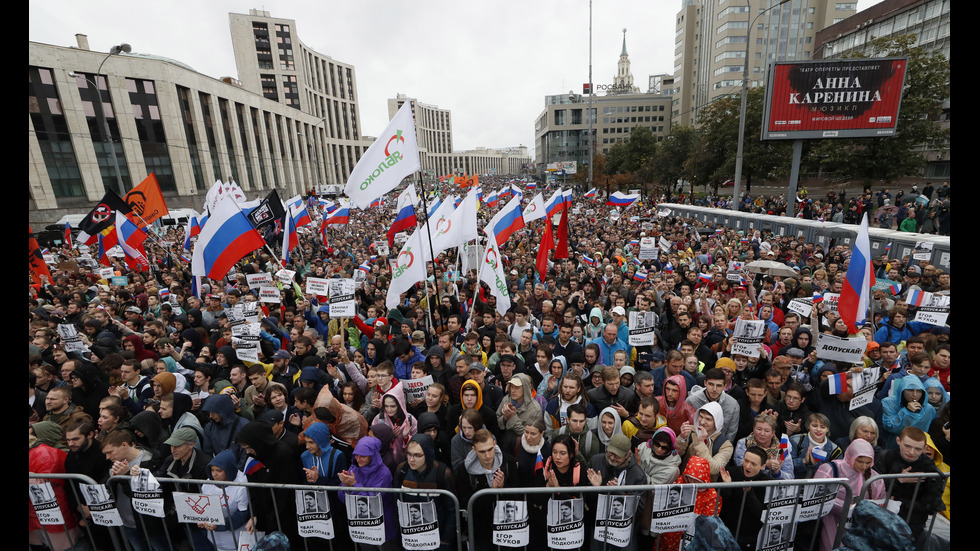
515 381
272 417
180 436
418 336
281 355
619 445
477 366
619 310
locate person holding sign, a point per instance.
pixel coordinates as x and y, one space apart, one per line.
856 467
765 436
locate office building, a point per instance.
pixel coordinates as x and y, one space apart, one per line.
711 38
187 128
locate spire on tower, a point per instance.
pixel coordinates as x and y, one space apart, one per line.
624 43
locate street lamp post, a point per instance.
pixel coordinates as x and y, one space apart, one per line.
745 93
589 109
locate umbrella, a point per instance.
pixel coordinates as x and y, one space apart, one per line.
770 267
887 208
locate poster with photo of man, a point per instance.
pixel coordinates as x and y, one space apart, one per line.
614 519
418 525
641 329
776 537
673 508
747 337
365 519
101 504
45 504
565 527
342 298
147 494
817 501
313 514
780 504
510 524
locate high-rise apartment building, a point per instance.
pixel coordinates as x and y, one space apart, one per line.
711 39
274 62
433 130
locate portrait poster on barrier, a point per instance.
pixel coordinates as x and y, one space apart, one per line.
313 514
418 524
510 524
566 529
366 520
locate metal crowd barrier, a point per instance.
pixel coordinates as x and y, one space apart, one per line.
841 520
120 543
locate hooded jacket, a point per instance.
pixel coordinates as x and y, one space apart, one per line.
276 463
707 503
716 451
234 500
896 415
374 475
432 475
348 425
489 415
330 461
220 435
682 411
844 468
528 410
403 425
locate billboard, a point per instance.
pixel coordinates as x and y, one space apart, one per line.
840 98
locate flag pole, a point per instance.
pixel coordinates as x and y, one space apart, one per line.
428 231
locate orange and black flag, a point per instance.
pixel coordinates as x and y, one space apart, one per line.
460 181
146 202
35 260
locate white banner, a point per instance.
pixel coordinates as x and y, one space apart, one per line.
194 508
106 273
317 286
342 298
510 524
415 388
841 349
648 249
101 504
817 501
286 276
261 279
673 508
864 385
749 335
313 514
641 329
45 504
614 519
418 524
566 528
147 494
802 306
366 521
492 273
268 294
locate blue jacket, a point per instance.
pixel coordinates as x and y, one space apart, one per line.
330 461
403 370
889 333
220 436
896 416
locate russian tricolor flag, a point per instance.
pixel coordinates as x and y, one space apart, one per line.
566 197
591 193
375 203
538 463
340 216
530 186
704 278
640 276
131 240
784 446
637 262
914 298
587 260
669 269
895 289
289 237
492 199
620 199
68 235
227 238
855 295
555 203
837 383
298 211
364 268
406 217
817 297
507 221
435 206
634 241
193 228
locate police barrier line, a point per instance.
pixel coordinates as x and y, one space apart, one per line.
308 513
789 490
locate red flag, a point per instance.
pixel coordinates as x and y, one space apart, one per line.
547 243
561 250
35 260
146 202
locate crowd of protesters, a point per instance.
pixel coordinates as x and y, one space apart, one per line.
163 387
925 211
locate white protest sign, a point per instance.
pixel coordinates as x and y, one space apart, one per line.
45 504
802 306
101 504
831 300
663 213
648 249
268 294
247 341
236 319
931 315
251 311
342 303
841 349
194 508
776 536
780 504
817 501
70 338
664 244
922 250
864 385
147 494
286 276
261 279
418 524
614 519
415 388
313 514
382 248
510 524
106 273
246 541
641 329
366 521
749 335
317 286
566 529
673 508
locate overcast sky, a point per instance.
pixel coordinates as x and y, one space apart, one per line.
491 63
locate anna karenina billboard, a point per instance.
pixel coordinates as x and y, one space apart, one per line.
841 98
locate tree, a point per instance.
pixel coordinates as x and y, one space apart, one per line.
888 158
668 164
